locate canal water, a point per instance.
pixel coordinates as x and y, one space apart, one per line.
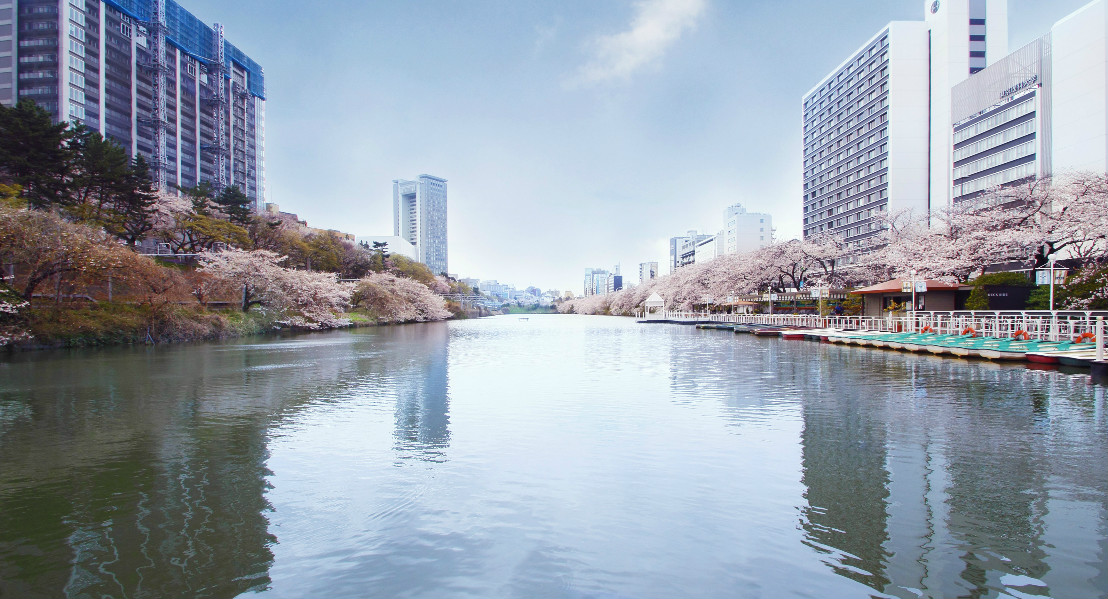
552 456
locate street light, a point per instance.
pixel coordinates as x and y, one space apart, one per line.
1052 261
913 300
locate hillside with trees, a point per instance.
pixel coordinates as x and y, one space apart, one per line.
79 223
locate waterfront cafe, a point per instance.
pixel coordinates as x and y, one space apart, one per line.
930 295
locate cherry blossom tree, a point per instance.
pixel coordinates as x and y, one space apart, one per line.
11 326
44 246
398 299
305 299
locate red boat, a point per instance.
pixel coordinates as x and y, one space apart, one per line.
1042 358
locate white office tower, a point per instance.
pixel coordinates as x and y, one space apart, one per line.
647 271
965 37
877 123
1079 50
745 231
419 216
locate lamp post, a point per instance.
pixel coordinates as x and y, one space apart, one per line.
913 285
913 300
1052 261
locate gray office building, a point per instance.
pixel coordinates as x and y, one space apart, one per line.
146 74
419 215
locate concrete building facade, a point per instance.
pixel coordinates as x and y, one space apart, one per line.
647 271
1037 112
148 75
745 231
419 216
682 250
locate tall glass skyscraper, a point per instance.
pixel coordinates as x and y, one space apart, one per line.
146 74
419 216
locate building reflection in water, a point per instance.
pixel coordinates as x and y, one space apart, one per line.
144 471
421 387
922 476
931 476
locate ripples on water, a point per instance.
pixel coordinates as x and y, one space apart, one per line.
555 457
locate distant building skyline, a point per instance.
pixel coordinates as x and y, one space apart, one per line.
569 154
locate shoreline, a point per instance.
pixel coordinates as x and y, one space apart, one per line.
184 326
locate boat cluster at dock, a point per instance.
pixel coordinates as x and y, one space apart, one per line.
1066 352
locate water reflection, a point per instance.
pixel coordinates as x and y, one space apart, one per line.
145 471
569 457
934 475
422 404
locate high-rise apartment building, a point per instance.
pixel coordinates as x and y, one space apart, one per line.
878 123
146 74
419 216
745 231
647 271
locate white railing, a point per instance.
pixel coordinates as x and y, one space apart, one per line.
1038 324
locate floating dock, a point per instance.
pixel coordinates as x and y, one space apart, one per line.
1066 352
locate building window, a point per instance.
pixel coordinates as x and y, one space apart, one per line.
977 54
977 21
125 29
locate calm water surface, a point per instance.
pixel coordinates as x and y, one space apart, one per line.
556 456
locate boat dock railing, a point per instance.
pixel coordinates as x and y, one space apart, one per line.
1044 325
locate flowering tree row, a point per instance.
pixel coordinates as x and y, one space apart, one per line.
1031 222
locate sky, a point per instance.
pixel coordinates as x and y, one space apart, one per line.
573 133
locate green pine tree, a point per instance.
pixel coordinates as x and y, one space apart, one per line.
234 203
36 154
201 198
101 174
133 212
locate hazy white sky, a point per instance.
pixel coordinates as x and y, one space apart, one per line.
573 133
